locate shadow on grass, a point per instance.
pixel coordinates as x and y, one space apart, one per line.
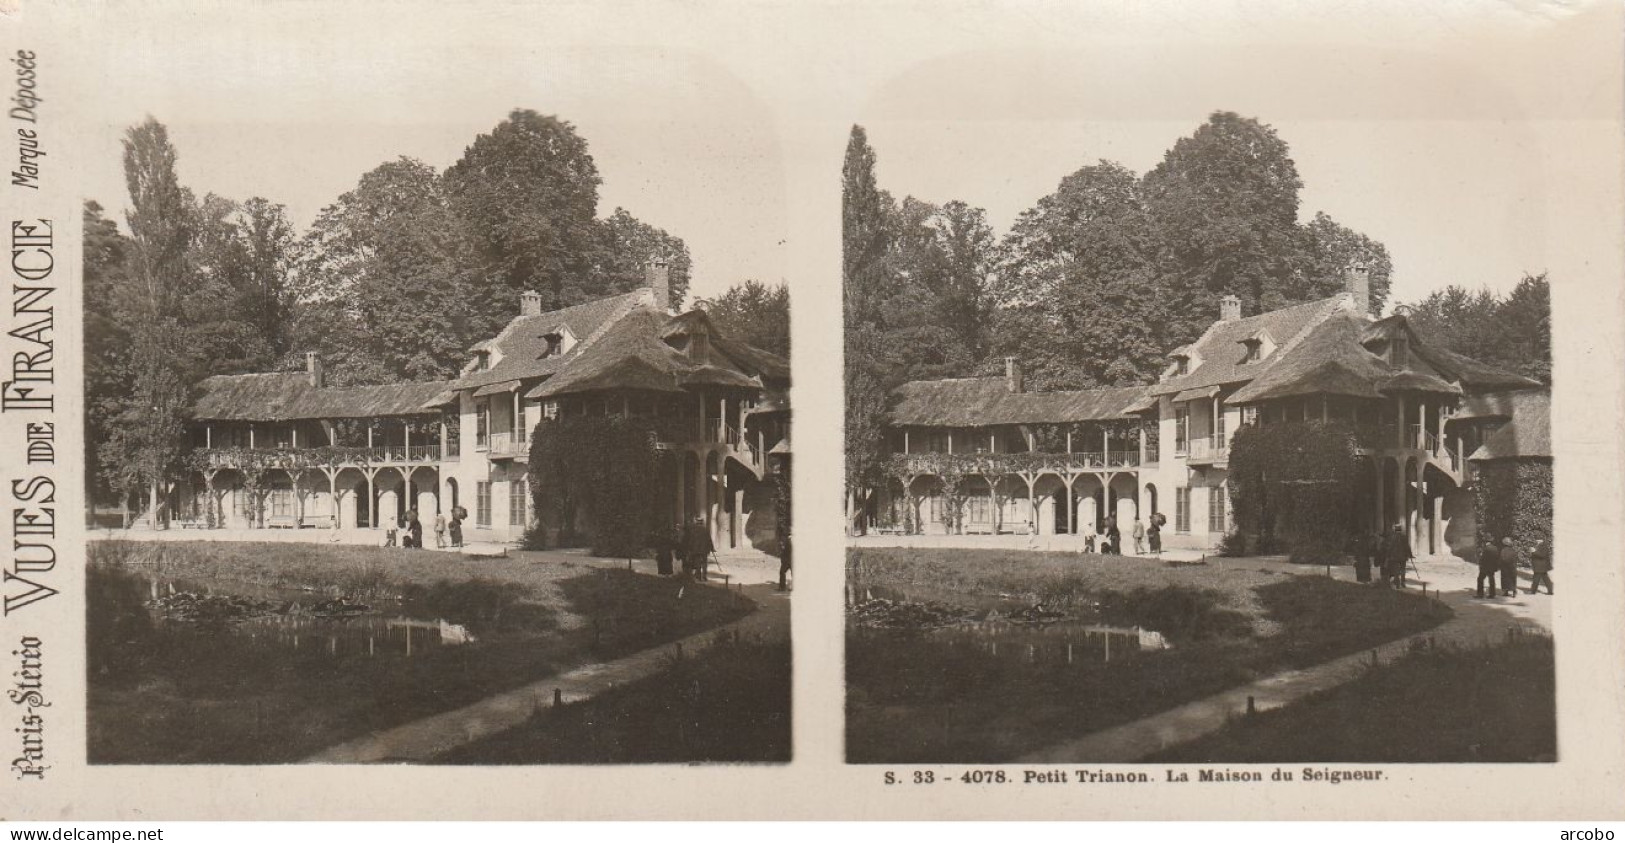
917 697
164 692
1484 704
731 703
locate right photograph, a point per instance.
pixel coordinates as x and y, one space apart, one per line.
1206 439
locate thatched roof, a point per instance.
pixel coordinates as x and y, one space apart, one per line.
634 353
1503 405
521 345
288 396
975 402
1221 352
1527 435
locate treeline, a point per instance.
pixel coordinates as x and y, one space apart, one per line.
393 281
1094 284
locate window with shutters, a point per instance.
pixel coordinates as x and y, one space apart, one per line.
518 498
482 503
1215 509
1182 509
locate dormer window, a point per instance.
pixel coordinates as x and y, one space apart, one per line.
554 345
1255 351
482 361
1182 364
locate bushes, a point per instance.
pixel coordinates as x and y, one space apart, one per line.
1294 483
605 468
1514 497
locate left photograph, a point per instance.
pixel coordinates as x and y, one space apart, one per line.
445 457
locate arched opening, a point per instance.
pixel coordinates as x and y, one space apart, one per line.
363 504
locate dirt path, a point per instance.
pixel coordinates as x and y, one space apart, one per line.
423 740
1475 623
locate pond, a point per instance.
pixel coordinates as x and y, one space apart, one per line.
233 614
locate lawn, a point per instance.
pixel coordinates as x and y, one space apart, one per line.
729 703
165 692
914 697
1485 704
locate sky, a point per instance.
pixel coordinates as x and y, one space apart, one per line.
1463 135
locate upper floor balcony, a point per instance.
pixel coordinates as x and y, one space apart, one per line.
1022 463
506 444
325 456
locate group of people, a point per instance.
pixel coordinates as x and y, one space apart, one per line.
690 543
1503 559
412 526
1390 553
1110 539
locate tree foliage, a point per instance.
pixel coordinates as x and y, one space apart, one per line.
1513 332
754 313
1292 485
606 469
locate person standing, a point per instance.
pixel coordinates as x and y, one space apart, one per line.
455 527
1153 533
1489 564
1509 567
1540 559
665 544
440 530
1396 557
1115 537
414 530
1361 551
1138 532
784 563
697 550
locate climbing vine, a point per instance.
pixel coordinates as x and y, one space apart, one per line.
607 470
1292 486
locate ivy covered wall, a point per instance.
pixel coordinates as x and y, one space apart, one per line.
1515 496
600 481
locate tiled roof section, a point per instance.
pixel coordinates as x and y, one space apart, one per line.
523 342
634 354
1222 353
1528 435
975 402
287 396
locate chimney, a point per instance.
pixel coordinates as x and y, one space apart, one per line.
1402 310
659 279
1229 308
1358 280
313 370
530 303
1012 375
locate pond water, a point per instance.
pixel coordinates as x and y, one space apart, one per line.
260 616
1004 628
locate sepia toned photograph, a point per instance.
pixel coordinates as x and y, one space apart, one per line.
465 443
1169 464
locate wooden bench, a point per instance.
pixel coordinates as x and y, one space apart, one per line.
282 522
190 523
324 522
978 529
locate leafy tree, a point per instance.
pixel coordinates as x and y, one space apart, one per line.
1224 206
147 430
1078 275
1328 249
754 313
528 194
1512 332
107 337
629 246
864 285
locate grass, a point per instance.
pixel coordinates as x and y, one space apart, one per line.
731 703
1485 704
168 694
911 698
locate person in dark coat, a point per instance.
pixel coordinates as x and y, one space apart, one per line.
1509 567
455 527
1115 537
1489 564
1397 555
1360 549
697 550
414 530
665 545
1540 559
1153 533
